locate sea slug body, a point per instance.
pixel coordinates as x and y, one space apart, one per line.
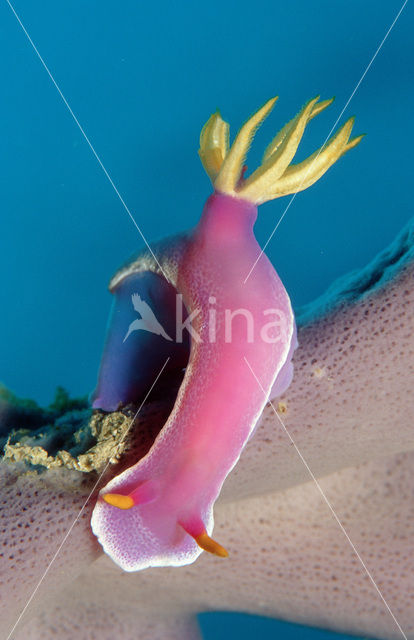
159 512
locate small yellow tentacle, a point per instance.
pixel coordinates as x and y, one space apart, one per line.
231 168
208 544
119 501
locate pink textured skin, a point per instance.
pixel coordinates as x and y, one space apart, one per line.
219 401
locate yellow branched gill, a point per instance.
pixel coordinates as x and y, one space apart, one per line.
276 176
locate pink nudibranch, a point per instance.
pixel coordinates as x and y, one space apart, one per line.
159 512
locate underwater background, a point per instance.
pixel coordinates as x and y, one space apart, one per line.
142 78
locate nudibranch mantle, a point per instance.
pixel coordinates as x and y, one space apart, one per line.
159 512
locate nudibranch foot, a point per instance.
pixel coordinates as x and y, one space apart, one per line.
241 338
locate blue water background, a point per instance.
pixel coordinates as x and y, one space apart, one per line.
142 78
